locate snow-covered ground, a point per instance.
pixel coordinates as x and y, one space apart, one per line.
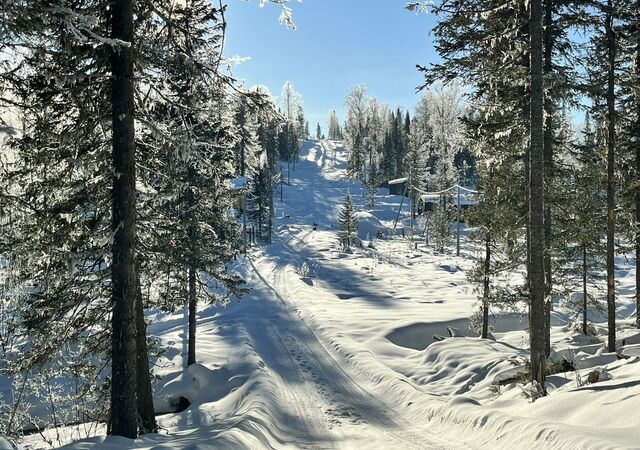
345 357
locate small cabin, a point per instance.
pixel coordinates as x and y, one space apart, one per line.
467 200
428 202
397 186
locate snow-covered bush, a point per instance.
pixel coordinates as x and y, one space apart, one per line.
303 270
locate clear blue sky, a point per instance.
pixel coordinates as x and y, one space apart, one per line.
338 43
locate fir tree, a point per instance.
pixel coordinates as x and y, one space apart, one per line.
246 147
348 223
416 161
357 104
335 133
190 238
260 203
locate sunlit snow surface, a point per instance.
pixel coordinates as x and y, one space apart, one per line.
345 358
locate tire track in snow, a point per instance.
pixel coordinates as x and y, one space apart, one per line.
299 415
344 401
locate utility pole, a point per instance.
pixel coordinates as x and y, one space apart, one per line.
395 223
411 200
244 223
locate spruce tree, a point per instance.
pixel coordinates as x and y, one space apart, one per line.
348 223
189 237
357 104
602 65
335 133
416 161
77 149
246 147
260 203
582 227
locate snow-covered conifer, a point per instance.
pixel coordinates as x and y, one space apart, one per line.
348 223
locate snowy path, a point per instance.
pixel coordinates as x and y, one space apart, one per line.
327 405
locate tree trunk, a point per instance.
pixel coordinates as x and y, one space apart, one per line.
242 157
547 328
485 294
548 167
611 145
584 290
146 412
192 316
271 206
123 417
536 198
637 136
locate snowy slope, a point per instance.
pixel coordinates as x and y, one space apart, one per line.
345 358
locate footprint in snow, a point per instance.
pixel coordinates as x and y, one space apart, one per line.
342 413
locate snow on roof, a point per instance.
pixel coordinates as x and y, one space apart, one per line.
468 200
430 198
465 199
238 183
398 181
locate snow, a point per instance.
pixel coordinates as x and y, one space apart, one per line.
430 198
468 200
5 444
349 360
368 225
398 181
465 199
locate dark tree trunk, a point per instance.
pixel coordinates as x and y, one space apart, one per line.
611 145
271 207
637 136
585 303
242 157
536 198
123 417
547 328
145 393
191 264
192 316
548 169
485 294
527 219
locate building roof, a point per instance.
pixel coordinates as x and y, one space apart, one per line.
398 181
